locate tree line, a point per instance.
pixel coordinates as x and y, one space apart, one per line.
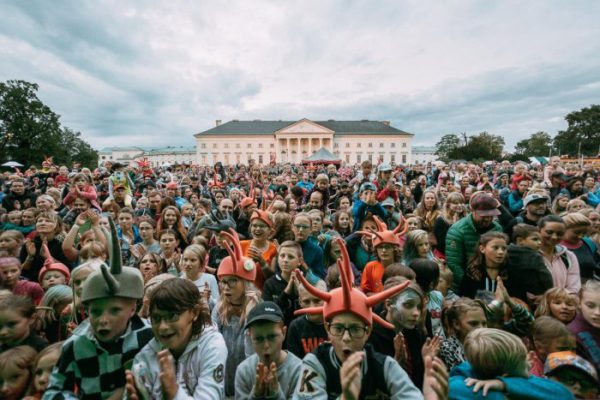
30 130
582 137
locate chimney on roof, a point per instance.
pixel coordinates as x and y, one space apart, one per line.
386 123
218 122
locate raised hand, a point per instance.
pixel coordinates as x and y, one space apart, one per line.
351 376
431 347
435 380
167 374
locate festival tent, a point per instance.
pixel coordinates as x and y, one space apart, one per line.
322 156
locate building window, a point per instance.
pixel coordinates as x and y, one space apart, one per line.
272 145
104 157
238 158
381 145
393 158
370 156
359 145
203 145
358 158
336 145
380 158
347 158
370 144
403 158
237 146
348 145
226 156
260 145
260 157
249 145
214 145
404 144
226 145
393 145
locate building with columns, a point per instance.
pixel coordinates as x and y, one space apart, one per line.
292 141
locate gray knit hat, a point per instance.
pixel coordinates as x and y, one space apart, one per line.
116 280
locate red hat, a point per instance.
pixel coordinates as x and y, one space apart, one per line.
50 264
383 235
484 204
236 264
347 298
263 216
247 201
119 186
172 185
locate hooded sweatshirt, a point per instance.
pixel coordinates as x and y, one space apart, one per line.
527 272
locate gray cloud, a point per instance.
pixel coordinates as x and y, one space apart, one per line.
132 72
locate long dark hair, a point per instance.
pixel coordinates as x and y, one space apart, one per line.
179 296
477 265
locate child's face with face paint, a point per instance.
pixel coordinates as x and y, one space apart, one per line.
405 310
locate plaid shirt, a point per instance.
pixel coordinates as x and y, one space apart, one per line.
92 369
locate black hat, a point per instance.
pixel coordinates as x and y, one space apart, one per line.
265 311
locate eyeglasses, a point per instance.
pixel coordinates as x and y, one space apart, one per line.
230 283
386 247
261 339
167 317
355 331
259 226
302 227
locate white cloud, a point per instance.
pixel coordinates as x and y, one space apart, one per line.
160 72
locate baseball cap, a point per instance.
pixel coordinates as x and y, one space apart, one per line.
564 359
118 186
388 202
535 197
384 167
367 186
484 204
265 311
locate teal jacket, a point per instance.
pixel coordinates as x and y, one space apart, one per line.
461 241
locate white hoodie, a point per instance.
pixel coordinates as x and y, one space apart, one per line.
200 369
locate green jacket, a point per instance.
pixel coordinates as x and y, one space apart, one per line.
461 241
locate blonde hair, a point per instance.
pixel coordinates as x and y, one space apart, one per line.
590 285
20 356
575 220
52 350
251 298
199 251
546 329
550 295
13 235
322 177
575 202
494 352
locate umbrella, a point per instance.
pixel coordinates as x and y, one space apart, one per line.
12 164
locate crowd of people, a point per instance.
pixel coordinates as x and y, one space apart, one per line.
282 281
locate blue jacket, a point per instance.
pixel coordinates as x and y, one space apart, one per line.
531 388
313 256
360 210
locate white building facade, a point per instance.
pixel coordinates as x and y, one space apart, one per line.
424 154
293 141
157 156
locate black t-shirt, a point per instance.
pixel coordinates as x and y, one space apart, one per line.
303 336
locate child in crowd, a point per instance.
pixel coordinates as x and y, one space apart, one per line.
387 249
488 262
10 279
260 248
169 247
577 241
335 368
528 277
427 276
444 285
282 287
82 188
574 372
41 369
238 296
459 319
53 313
192 268
10 242
270 372
586 325
549 336
149 244
366 204
78 277
306 332
150 265
417 246
497 368
558 303
93 359
17 316
53 272
15 372
186 358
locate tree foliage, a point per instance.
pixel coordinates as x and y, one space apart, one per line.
537 145
582 133
30 130
483 146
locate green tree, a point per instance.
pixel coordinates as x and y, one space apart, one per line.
447 146
582 134
537 145
30 130
483 146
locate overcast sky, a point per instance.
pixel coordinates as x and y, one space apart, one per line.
156 72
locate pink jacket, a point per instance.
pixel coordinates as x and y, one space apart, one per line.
88 193
564 276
